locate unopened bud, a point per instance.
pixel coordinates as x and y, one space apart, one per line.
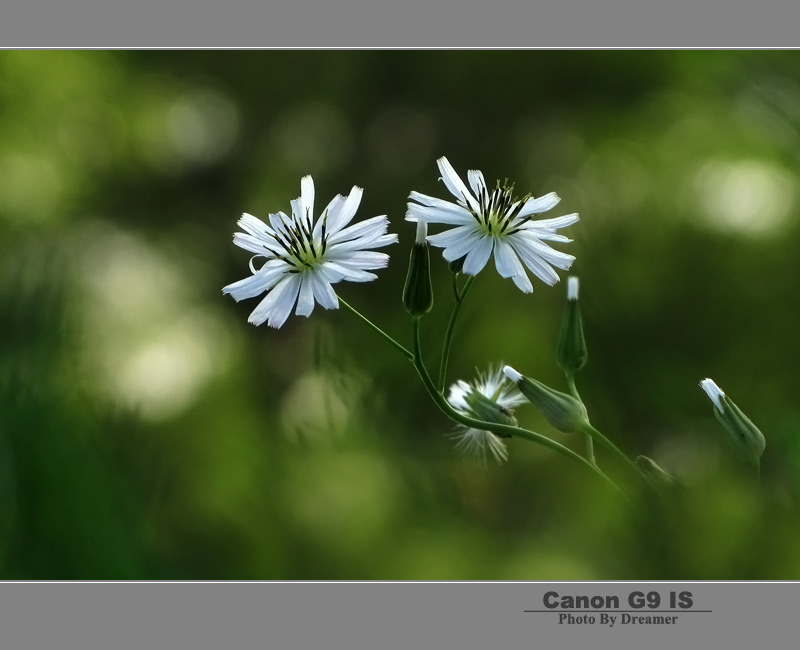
572 353
748 442
563 411
456 265
653 473
418 290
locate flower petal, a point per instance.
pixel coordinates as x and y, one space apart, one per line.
457 242
553 224
456 186
323 291
523 282
254 225
307 196
539 267
370 228
505 260
359 244
363 260
339 218
263 280
551 255
278 303
477 183
448 213
509 266
279 222
537 206
332 208
305 299
260 246
478 255
345 272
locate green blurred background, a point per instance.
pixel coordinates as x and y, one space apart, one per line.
148 432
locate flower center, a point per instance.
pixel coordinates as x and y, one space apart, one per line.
498 209
301 249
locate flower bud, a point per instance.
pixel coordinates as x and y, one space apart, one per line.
656 476
748 442
418 290
571 350
456 265
563 411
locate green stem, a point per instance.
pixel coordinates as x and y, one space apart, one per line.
448 336
407 353
503 430
589 441
589 430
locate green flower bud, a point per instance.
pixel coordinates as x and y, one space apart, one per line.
456 265
418 290
656 476
572 352
563 411
748 442
488 410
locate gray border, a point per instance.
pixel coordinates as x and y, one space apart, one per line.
389 616
384 615
418 24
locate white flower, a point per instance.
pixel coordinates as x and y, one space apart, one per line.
495 387
495 222
304 257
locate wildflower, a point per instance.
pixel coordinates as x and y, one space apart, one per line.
491 398
748 442
494 223
305 257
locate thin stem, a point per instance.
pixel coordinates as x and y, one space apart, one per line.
503 430
448 336
574 390
589 430
407 353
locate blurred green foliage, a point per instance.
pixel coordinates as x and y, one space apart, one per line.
147 431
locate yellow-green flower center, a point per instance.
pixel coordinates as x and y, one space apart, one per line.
498 210
301 249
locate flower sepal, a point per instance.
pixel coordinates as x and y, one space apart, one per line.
488 410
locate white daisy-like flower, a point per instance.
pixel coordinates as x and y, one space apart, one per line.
304 257
495 223
495 387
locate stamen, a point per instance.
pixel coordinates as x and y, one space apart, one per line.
324 230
